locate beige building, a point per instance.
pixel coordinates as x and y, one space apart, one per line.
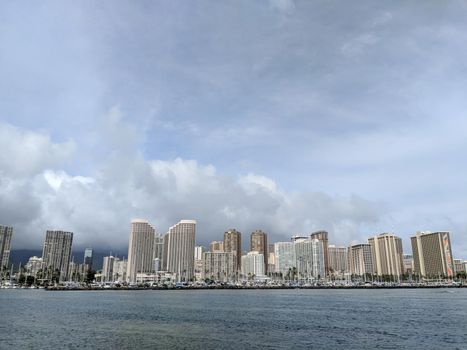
220 266
387 254
233 244
432 254
216 246
56 253
259 243
360 259
140 249
338 260
6 232
181 250
323 237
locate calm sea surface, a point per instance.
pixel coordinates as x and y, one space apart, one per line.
222 319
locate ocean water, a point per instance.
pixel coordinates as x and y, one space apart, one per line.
234 319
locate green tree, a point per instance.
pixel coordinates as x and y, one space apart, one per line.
90 276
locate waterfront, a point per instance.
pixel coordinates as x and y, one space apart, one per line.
208 319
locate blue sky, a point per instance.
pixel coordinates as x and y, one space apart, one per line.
284 115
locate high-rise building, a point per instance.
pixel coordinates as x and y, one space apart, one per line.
158 246
458 265
271 261
338 260
6 232
360 259
56 253
233 244
165 249
181 250
387 254
285 257
432 254
199 250
253 264
88 258
408 264
303 257
318 258
140 249
108 268
323 237
220 266
216 246
259 243
120 269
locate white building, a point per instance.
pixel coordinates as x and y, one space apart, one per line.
253 264
198 264
33 265
140 248
181 250
108 268
284 256
120 269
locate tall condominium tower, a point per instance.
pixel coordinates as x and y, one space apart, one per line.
323 237
57 252
285 257
108 268
360 259
387 254
303 257
338 260
5 244
88 258
432 254
181 249
140 249
259 243
233 244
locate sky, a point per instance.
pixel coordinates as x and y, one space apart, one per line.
287 116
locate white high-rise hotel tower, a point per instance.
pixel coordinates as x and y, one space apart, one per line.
140 249
181 249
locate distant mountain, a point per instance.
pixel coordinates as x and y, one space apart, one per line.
22 256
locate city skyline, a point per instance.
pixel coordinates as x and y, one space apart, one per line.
178 255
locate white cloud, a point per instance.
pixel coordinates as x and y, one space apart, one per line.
99 208
24 152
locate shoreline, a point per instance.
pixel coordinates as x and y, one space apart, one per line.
253 288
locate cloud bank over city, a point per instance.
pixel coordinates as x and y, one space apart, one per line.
238 114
